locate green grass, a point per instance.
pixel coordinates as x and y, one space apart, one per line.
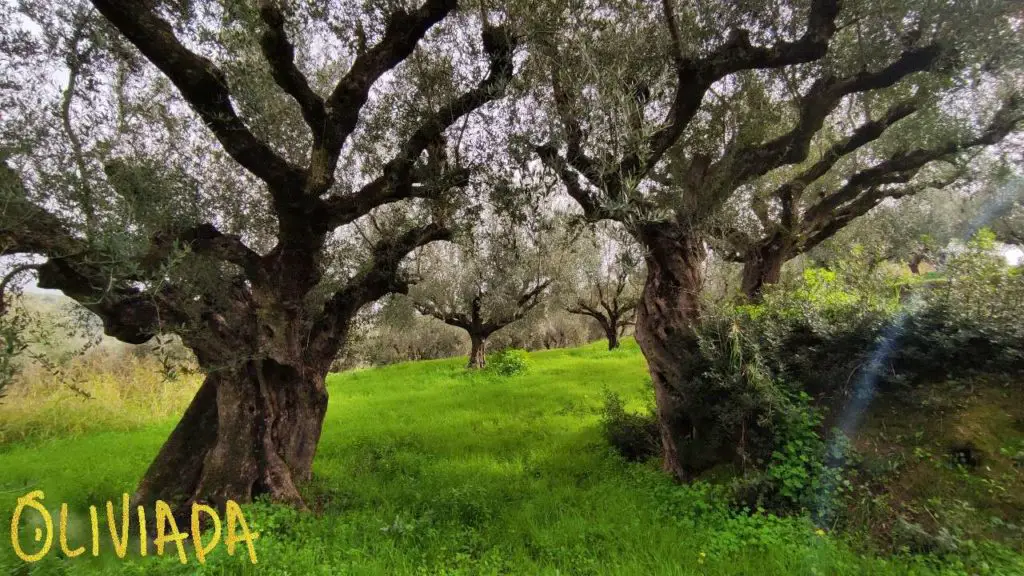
425 468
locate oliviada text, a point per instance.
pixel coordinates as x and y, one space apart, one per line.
166 530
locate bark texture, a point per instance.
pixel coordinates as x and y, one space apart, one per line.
477 352
761 268
248 431
668 315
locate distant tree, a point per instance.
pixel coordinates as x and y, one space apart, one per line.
681 120
610 287
487 280
200 171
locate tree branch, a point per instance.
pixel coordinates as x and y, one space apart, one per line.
280 54
401 35
902 166
744 162
695 77
203 86
207 240
399 175
790 192
380 275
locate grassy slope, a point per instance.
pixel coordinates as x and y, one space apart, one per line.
427 469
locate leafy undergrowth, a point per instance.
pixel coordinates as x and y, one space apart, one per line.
942 467
425 468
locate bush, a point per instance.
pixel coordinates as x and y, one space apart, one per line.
805 472
634 436
831 325
509 362
818 336
968 322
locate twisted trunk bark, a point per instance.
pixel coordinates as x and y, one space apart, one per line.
250 430
762 267
668 315
478 351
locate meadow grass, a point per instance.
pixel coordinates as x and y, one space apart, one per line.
426 468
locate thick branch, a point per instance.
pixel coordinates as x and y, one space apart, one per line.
743 162
207 240
380 275
450 317
402 34
204 86
901 166
530 299
399 177
862 205
789 193
593 208
280 54
695 77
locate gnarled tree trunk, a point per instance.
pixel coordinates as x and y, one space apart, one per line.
251 429
611 331
668 315
762 267
478 351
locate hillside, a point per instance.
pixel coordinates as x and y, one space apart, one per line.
425 468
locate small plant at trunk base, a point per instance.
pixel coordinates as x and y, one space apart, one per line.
737 403
634 436
804 473
510 362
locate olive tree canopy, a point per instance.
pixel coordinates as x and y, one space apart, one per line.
198 168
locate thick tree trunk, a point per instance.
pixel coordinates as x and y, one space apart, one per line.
915 263
762 267
611 330
250 430
478 352
668 315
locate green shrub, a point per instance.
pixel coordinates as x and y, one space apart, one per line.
737 402
971 322
822 330
814 338
510 362
634 436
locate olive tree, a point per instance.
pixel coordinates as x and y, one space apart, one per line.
821 199
665 117
608 287
488 279
197 168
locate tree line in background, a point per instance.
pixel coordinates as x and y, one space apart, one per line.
264 179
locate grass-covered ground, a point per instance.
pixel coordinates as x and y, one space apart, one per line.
425 468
